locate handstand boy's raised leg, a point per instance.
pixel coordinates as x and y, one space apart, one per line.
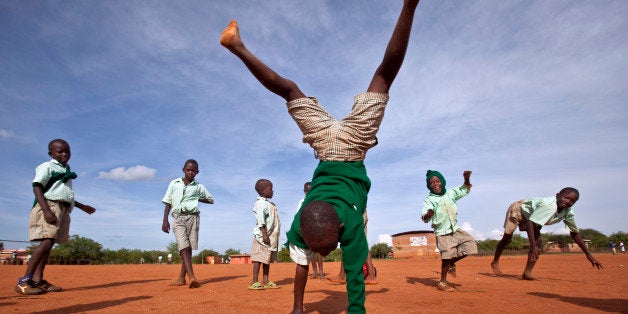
395 51
285 88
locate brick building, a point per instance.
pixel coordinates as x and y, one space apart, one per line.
409 244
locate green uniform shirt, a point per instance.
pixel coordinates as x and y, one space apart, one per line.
445 219
544 211
345 186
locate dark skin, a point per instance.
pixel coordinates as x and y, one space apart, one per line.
266 191
288 90
58 150
190 170
436 185
563 200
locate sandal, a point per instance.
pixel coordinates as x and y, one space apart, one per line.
271 285
256 286
445 286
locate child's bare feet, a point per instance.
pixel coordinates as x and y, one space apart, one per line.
495 267
178 282
230 37
194 284
527 276
370 280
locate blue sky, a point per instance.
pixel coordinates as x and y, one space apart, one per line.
529 95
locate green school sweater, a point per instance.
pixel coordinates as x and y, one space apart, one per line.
345 186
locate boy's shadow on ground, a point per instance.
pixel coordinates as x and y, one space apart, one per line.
219 279
285 281
508 276
100 305
334 302
114 284
607 305
430 282
518 277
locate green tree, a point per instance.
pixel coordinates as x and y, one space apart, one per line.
173 248
1 246
230 252
598 239
617 237
487 246
77 250
380 250
334 256
283 256
200 258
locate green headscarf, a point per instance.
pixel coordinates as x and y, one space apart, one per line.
434 173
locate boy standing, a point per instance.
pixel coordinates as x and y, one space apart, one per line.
332 210
50 216
440 207
266 235
182 197
531 215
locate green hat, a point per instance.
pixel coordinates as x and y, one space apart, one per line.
434 173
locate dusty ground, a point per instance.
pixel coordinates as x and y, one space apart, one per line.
568 285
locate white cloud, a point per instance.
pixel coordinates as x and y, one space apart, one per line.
135 173
496 234
6 133
385 238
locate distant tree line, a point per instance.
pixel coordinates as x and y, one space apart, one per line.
599 242
81 250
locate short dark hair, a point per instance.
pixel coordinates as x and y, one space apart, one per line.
317 219
261 184
190 161
55 141
569 190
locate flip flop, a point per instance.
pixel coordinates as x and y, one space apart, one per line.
256 286
271 285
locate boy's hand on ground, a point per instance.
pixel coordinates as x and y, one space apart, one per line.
594 262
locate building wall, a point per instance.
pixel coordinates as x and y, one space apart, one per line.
414 244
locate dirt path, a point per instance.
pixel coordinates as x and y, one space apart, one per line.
568 285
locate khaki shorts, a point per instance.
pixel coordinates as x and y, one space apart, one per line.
261 253
39 229
459 243
514 219
185 229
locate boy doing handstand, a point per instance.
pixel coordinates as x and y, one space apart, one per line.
532 214
182 197
332 210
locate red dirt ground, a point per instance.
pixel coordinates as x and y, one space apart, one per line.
567 284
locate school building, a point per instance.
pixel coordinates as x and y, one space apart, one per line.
410 244
13 257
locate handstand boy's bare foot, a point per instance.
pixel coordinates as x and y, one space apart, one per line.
230 37
178 282
495 267
194 284
526 276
